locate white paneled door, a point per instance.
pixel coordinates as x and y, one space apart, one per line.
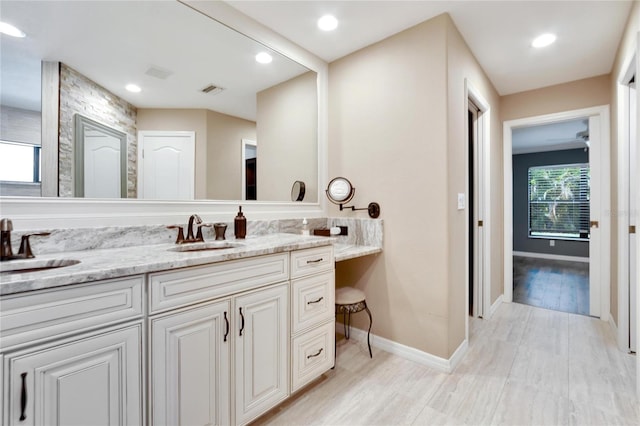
166 165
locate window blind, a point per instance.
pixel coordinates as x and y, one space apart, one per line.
559 198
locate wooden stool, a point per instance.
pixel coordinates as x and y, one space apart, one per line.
351 300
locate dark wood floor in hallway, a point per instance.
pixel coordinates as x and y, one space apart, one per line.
551 284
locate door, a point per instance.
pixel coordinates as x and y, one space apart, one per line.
102 162
261 355
91 381
190 367
166 165
633 218
474 206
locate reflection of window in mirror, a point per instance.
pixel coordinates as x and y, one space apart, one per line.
249 165
19 168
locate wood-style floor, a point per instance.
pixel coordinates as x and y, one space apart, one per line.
552 284
525 366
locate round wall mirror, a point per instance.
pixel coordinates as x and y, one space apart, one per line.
297 191
340 190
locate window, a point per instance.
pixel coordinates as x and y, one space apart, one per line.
19 162
559 201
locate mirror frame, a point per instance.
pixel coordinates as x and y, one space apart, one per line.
53 212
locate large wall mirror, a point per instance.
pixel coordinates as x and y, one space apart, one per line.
194 75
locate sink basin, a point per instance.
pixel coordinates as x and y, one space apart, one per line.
22 266
213 245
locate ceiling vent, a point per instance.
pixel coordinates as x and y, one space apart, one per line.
212 89
158 72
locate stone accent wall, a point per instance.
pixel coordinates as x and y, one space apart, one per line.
79 95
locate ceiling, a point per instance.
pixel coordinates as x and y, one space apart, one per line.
171 51
498 32
570 134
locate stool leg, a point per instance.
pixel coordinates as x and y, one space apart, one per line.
369 332
345 324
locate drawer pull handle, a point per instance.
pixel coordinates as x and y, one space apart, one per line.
242 323
315 261
316 354
226 320
315 301
23 397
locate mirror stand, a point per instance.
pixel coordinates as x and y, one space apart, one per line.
340 192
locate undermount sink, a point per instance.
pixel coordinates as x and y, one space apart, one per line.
213 245
23 266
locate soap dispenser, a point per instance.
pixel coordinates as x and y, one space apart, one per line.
240 224
305 227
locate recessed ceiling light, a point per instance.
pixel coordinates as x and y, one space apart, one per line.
263 58
543 40
328 23
10 30
133 88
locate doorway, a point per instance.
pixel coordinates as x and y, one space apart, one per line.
551 206
249 165
627 208
599 224
477 205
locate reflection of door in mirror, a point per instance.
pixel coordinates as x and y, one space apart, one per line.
167 160
100 160
249 170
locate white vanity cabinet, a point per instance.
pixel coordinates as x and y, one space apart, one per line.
191 366
261 352
73 355
92 380
216 344
243 316
312 316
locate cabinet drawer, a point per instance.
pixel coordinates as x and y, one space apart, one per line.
28 318
312 354
313 300
172 289
311 261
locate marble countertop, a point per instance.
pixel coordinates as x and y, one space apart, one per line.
348 251
120 262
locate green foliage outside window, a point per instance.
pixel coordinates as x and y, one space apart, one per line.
559 201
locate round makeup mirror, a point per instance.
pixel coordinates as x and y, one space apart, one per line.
340 190
297 191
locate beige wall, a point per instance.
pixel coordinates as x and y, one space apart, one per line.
624 54
391 132
578 94
461 66
224 154
218 149
182 120
287 116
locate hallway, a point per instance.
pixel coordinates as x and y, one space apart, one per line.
525 366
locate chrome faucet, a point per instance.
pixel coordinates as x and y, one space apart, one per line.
6 253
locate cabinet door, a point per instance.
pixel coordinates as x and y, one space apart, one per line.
261 352
190 370
89 381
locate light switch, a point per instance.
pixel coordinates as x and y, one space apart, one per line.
461 201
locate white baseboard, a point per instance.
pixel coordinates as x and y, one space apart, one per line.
551 256
494 307
407 352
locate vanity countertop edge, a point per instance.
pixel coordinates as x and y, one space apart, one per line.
102 264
